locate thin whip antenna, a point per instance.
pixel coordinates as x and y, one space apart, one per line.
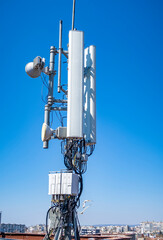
59 57
73 15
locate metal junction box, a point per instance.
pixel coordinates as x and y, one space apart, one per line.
61 132
63 183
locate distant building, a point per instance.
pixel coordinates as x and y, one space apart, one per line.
151 227
11 228
39 228
89 230
126 228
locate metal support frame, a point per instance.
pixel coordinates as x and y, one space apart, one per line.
65 53
53 52
64 218
59 100
58 108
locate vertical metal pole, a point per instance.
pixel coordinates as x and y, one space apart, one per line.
51 70
73 15
60 54
76 231
50 90
46 120
68 228
0 217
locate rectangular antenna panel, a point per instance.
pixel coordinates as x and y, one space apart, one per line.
75 85
90 95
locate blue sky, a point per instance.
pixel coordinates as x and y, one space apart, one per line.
124 177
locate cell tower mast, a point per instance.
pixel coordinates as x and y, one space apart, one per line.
77 135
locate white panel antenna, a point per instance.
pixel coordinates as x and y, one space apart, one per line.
90 95
75 85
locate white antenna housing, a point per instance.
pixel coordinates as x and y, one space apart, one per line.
31 71
90 95
34 69
75 85
46 132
